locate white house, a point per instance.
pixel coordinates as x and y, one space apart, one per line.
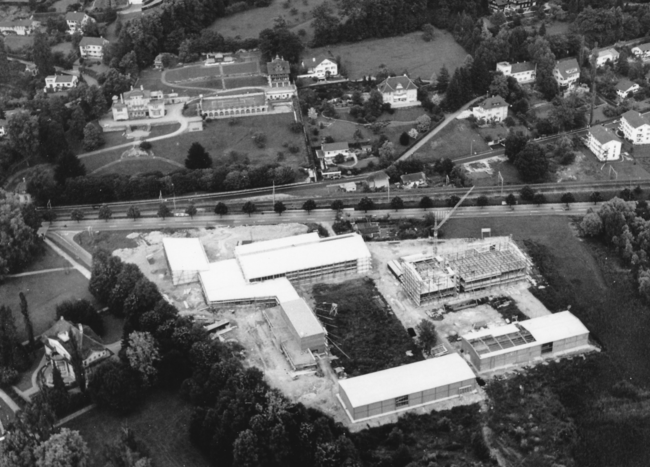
625 87
3 127
604 143
642 50
635 127
377 180
414 180
320 66
606 55
523 72
139 103
329 151
331 173
22 27
92 47
76 20
399 91
55 83
492 109
280 87
566 72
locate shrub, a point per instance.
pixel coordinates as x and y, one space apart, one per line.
146 145
81 312
8 377
404 139
116 386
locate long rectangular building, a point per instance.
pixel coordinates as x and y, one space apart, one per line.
185 258
406 387
525 341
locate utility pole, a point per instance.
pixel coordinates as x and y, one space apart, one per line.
593 61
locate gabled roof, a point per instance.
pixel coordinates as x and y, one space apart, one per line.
416 177
493 102
317 60
625 85
17 23
608 53
88 342
377 176
278 67
395 83
340 146
62 78
643 47
602 135
92 41
522 67
75 16
568 67
635 119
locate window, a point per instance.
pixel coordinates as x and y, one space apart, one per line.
402 401
547 348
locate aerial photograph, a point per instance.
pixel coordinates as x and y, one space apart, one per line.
324 233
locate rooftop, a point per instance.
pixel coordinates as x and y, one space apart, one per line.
568 67
87 341
522 67
278 67
75 16
62 78
608 53
416 177
185 254
493 102
341 146
625 85
230 102
317 60
396 83
92 41
643 47
407 379
602 135
16 23
302 318
276 244
635 119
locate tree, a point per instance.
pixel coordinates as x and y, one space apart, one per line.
116 385
423 123
511 200
77 215
539 199
443 80
397 203
49 216
515 143
527 193
64 449
592 224
280 41
198 157
191 210
259 139
11 357
453 201
105 212
544 58
427 334
337 205
221 209
142 354
143 297
68 166
57 396
77 362
77 122
309 205
568 198
126 451
404 139
26 318
23 134
426 203
42 54
4 62
279 207
595 197
246 450
92 137
366 204
133 212
482 201
249 208
164 211
532 163
81 312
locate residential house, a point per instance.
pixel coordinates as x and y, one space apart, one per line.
280 87
3 127
399 91
566 72
55 83
138 103
320 66
76 20
635 127
606 55
625 88
523 72
20 193
642 50
414 180
328 152
331 173
92 47
377 180
492 109
58 349
509 5
158 62
348 187
604 143
21 27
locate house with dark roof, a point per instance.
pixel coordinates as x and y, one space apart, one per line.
604 143
492 109
642 50
92 47
76 20
635 127
566 72
331 173
399 91
320 66
377 180
138 103
625 88
55 83
523 72
58 349
277 74
413 180
329 151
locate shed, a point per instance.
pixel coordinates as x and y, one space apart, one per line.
526 341
406 387
185 258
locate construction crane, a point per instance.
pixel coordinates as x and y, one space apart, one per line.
437 225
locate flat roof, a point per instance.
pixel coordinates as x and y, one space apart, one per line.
185 254
302 318
304 256
275 244
406 379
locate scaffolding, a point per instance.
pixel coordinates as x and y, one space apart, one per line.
426 278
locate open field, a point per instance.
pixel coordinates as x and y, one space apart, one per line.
408 52
251 22
64 47
587 167
108 240
455 140
243 81
43 292
162 423
409 114
150 79
199 72
138 166
15 42
48 260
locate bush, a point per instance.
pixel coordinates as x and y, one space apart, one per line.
8 377
115 385
146 145
404 139
81 312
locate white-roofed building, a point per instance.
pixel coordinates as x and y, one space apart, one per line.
523 72
526 341
642 50
406 387
604 143
304 325
635 127
185 258
606 55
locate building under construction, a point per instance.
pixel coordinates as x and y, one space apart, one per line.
475 266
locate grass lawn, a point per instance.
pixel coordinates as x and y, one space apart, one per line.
454 141
408 52
150 79
371 337
15 42
106 240
25 381
62 5
136 166
180 75
43 293
214 82
251 22
162 423
409 114
243 81
64 47
587 168
48 260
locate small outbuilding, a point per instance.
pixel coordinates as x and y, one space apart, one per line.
186 258
406 387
